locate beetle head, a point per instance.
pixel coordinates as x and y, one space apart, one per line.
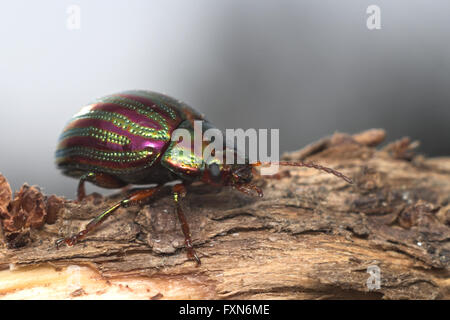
238 176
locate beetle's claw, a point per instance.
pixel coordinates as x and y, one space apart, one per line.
197 259
193 256
59 242
69 241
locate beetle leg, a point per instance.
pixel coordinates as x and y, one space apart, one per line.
100 179
133 199
81 190
179 191
249 189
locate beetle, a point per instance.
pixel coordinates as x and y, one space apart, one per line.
125 139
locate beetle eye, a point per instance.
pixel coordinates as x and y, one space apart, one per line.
214 171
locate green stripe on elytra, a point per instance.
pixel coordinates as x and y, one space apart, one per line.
123 122
159 99
62 157
138 107
113 156
93 132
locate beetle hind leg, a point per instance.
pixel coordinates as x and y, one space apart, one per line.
137 197
133 199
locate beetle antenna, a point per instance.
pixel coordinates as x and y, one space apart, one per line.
308 165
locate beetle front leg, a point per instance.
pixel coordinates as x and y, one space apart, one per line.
133 199
179 191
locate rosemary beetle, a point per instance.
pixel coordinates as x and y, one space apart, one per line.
126 139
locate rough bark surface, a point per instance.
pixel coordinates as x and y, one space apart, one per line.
312 235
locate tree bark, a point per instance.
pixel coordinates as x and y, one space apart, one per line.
312 235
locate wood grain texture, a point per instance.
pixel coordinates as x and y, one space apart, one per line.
312 236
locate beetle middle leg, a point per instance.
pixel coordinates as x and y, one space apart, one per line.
179 191
100 179
133 199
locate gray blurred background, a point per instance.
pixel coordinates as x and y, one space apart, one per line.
308 68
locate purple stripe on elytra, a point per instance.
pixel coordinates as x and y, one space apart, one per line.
98 158
139 164
137 142
107 146
134 116
150 103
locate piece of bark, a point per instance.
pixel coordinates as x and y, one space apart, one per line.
312 236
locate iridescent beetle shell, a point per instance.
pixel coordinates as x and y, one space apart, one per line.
124 135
